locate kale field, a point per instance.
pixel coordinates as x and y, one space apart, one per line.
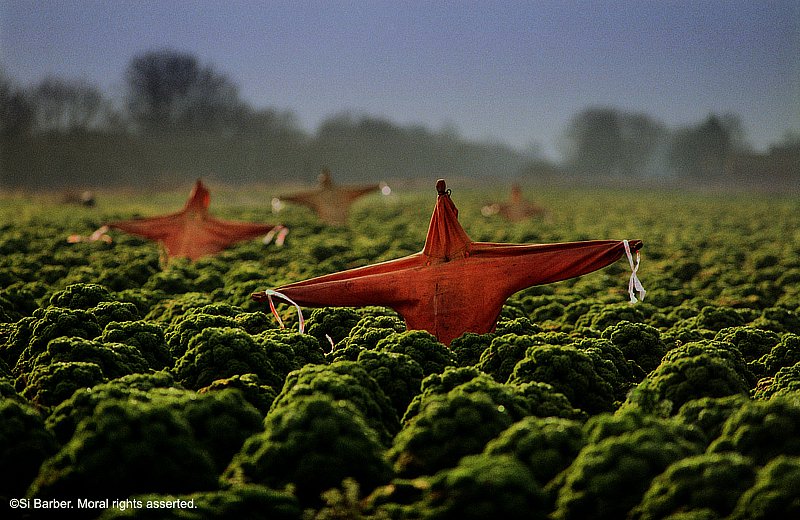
133 387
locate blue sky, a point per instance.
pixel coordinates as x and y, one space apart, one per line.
510 71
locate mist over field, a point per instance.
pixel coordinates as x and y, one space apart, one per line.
182 119
98 95
154 95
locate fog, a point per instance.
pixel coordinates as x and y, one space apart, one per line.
181 119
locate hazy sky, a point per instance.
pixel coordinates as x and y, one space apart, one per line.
507 71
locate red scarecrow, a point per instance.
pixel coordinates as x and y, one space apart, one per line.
455 285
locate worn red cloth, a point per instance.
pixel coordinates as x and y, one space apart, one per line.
454 285
192 232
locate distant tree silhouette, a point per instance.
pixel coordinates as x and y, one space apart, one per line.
605 141
170 91
16 113
204 128
703 150
641 139
268 122
67 106
595 142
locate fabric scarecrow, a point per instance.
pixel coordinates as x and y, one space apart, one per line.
193 232
515 209
455 285
330 201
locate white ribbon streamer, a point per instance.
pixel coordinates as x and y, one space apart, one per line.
270 293
634 282
278 231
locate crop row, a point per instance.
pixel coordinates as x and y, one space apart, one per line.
125 376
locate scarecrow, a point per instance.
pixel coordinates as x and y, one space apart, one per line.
455 285
192 232
330 201
515 209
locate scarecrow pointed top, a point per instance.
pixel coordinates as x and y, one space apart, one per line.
446 238
199 198
516 194
324 179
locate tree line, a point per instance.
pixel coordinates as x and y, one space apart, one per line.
180 119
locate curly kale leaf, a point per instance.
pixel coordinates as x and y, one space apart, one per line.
48 385
312 443
688 377
398 375
422 347
81 296
762 430
343 380
638 342
331 322
546 445
24 445
151 449
708 481
254 391
608 478
484 486
774 493
447 428
221 352
147 337
49 324
710 413
584 377
114 359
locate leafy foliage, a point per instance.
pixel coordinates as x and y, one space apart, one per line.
221 352
447 428
150 447
304 437
485 486
578 405
545 445
708 481
24 445
343 380
774 493
422 347
609 477
762 430
584 377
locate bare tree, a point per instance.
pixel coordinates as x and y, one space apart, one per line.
170 91
16 113
68 106
607 141
594 142
703 150
641 138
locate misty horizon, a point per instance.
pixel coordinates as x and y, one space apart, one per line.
512 74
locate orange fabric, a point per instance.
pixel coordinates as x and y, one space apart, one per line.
454 285
329 201
192 232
